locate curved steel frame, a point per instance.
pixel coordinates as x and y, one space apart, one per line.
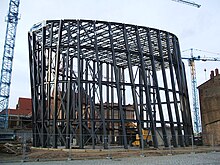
84 74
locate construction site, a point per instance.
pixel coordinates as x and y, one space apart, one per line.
106 89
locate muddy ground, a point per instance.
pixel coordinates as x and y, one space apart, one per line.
42 154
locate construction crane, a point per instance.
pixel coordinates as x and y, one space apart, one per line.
8 54
188 3
196 111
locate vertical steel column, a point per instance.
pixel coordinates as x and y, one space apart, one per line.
55 115
82 92
68 89
171 65
92 105
190 127
67 112
38 96
86 92
141 101
68 105
157 90
185 91
107 98
79 106
133 86
92 118
180 85
123 87
32 65
37 83
73 100
99 71
42 90
118 87
49 79
62 94
143 67
112 105
166 91
153 99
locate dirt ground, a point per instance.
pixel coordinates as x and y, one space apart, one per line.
40 154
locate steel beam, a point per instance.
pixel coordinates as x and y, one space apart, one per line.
166 90
133 87
155 80
171 65
143 66
180 85
116 74
99 71
79 95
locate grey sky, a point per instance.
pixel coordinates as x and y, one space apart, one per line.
195 28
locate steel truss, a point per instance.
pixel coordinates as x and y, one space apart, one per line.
90 79
7 60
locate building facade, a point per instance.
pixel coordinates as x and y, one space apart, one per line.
21 116
209 94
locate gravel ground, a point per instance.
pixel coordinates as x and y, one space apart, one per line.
212 158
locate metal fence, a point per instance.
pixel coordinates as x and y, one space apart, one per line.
22 150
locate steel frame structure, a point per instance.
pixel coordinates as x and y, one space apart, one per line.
85 73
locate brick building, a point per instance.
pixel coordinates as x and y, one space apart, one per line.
21 117
209 94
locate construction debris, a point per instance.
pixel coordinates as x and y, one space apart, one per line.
16 148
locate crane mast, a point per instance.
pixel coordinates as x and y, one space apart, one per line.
196 111
8 54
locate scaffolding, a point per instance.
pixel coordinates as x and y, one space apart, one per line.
91 79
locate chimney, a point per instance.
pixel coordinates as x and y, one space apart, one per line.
212 74
216 72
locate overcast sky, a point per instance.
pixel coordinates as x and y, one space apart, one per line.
197 28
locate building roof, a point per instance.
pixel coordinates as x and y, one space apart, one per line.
24 103
23 108
22 112
213 81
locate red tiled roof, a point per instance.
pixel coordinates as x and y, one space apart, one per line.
19 112
24 107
